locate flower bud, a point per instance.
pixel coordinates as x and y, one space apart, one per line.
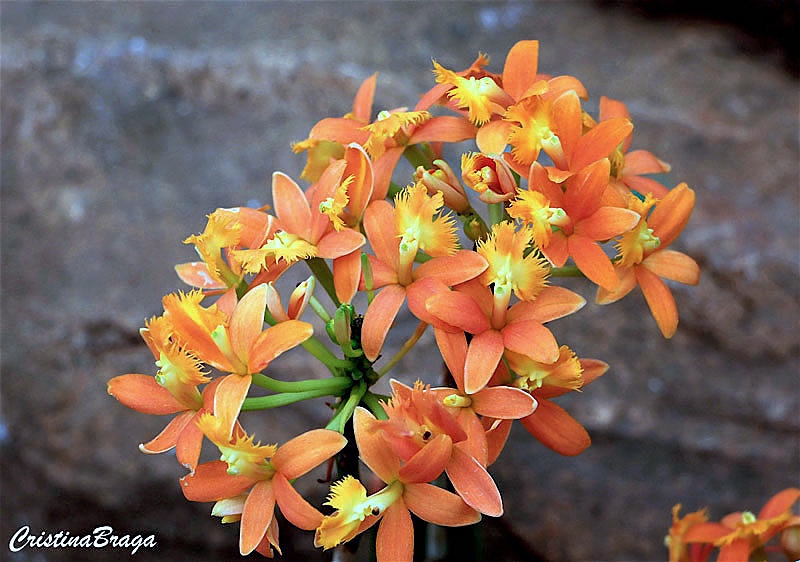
441 178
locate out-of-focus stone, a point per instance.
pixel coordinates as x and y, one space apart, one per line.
124 126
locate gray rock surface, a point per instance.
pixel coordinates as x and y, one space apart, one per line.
124 124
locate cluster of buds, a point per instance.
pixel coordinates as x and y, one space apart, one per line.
559 194
741 535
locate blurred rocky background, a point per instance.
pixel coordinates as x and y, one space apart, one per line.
124 124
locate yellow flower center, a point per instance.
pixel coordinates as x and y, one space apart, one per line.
566 372
335 206
289 247
533 208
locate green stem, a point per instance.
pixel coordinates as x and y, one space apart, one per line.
319 309
346 409
497 213
411 342
416 157
319 267
333 385
277 400
373 403
566 271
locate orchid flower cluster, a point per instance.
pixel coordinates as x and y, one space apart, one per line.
545 191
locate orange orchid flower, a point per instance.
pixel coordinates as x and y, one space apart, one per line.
174 390
385 138
488 175
679 551
417 226
740 533
407 491
628 167
550 424
645 257
441 178
226 230
583 221
469 308
250 479
310 225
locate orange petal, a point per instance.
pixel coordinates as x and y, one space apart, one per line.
627 282
210 482
556 429
259 508
337 243
676 266
339 129
372 447
531 339
610 108
453 270
291 206
275 340
568 123
438 506
360 191
735 551
453 347
585 189
551 303
229 397
395 540
607 222
780 503
660 300
484 353
306 451
189 445
417 295
459 310
521 66
429 462
196 274
557 250
143 394
168 437
493 136
379 318
600 141
247 320
475 486
644 162
293 506
362 103
672 213
443 128
383 168
496 437
346 274
383 240
503 402
705 532
593 261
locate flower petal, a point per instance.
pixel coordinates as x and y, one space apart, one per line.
521 66
593 261
143 394
672 213
385 244
503 402
556 429
459 310
337 243
346 274
259 508
307 451
675 266
291 206
429 462
552 303
395 539
600 141
229 397
531 339
474 484
443 128
293 506
607 222
452 270
484 353
210 482
189 444
247 320
493 136
372 447
168 437
275 340
438 506
660 300
379 318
